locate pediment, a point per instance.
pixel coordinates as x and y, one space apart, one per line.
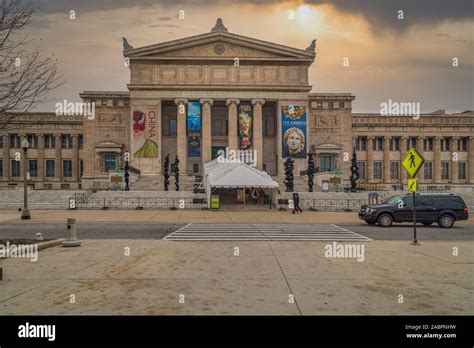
328 146
217 46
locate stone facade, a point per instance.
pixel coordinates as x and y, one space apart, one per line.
223 71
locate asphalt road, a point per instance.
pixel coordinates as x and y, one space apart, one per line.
405 232
89 231
159 231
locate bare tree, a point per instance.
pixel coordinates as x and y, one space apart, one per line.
26 76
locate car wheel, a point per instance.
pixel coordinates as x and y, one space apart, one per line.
385 220
427 223
446 221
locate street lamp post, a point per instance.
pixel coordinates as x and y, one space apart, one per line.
25 213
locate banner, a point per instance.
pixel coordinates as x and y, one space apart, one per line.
245 126
194 129
145 135
194 146
293 128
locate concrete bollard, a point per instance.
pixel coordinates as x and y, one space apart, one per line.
71 238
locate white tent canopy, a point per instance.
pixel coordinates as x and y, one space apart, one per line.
221 174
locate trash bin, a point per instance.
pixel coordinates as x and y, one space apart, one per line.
215 203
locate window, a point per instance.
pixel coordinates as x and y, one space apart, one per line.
126 103
446 144
15 141
66 141
326 163
377 170
429 144
1 167
217 127
114 102
50 168
110 162
172 127
428 170
1 141
268 129
449 200
341 105
33 141
411 143
377 144
444 170
15 168
103 102
195 168
361 144
33 167
408 202
395 144
424 201
331 105
319 104
67 168
81 142
81 168
394 170
49 141
463 144
462 174
362 172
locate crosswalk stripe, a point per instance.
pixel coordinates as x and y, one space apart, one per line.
263 232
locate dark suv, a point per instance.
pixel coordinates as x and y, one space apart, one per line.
444 209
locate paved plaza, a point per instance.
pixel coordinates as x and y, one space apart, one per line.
158 275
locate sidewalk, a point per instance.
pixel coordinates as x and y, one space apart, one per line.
181 216
210 279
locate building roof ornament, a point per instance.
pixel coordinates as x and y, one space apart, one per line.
126 45
312 47
219 26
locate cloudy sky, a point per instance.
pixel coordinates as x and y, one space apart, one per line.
407 60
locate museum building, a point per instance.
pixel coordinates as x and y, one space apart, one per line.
219 92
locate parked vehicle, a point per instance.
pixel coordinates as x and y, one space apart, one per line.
443 209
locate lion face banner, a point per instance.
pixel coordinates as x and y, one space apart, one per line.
293 128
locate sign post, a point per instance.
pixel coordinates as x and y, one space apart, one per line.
412 163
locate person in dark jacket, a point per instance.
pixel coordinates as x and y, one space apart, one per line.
296 203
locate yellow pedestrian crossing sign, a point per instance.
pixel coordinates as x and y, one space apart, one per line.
413 184
413 162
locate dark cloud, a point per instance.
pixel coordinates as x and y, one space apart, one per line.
381 14
384 14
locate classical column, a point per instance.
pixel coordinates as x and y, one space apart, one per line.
454 164
386 160
57 156
470 170
403 153
370 160
420 147
232 121
181 150
437 160
206 139
40 174
257 131
75 157
6 157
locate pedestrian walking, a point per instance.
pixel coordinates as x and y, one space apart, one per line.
296 203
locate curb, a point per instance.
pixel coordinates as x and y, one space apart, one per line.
50 243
